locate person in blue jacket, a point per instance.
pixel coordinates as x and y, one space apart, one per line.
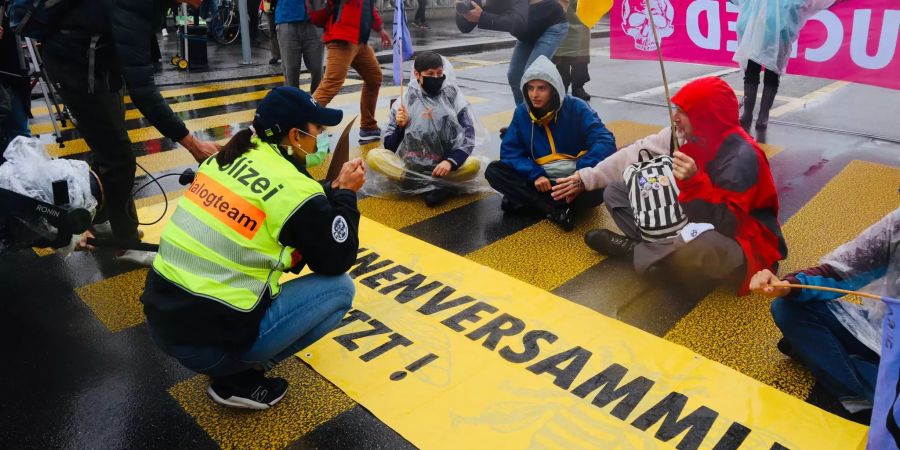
550 137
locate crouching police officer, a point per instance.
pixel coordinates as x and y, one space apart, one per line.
213 299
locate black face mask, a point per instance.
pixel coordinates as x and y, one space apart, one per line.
432 85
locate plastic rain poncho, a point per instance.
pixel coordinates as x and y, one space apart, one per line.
30 171
872 260
433 133
767 30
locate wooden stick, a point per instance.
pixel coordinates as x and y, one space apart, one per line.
839 291
662 68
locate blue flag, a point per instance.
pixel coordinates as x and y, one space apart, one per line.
403 49
884 434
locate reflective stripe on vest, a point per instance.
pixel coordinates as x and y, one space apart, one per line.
222 242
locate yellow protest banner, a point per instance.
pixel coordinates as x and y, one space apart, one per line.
590 11
452 354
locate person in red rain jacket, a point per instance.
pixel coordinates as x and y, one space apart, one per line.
724 180
348 24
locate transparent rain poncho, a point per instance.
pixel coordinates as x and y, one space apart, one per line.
433 133
767 30
871 259
30 171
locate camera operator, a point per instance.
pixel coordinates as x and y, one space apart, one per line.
98 48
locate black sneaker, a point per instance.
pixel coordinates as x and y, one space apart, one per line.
610 244
369 135
274 61
785 348
248 390
436 197
565 218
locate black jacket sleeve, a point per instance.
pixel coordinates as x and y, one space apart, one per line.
132 26
513 18
325 231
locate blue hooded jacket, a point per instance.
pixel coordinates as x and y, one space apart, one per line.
573 132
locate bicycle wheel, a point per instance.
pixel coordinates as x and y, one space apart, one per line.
226 26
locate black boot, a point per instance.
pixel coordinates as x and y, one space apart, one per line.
768 99
610 244
578 91
750 91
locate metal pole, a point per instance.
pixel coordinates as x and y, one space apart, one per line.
662 68
37 70
245 30
184 36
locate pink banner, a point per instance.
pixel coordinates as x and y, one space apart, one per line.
855 40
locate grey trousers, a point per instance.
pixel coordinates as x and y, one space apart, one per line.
273 38
711 257
301 40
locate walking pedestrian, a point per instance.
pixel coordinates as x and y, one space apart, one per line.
574 55
539 27
766 33
347 27
419 20
299 40
268 8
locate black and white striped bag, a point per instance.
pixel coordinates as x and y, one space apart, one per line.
654 196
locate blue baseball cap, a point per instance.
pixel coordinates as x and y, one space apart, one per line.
287 107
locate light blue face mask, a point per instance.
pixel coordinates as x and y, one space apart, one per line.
323 146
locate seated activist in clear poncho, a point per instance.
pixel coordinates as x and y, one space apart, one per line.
838 341
430 139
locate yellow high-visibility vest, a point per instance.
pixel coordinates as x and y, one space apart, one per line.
222 242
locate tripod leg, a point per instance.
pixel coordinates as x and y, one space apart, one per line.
45 88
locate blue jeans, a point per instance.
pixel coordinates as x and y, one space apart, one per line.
306 309
846 368
525 53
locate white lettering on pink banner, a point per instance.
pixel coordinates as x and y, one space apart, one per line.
855 40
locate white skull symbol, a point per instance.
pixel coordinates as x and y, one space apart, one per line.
636 23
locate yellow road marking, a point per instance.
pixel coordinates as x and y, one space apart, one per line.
38 111
627 132
170 159
542 254
476 62
739 332
806 99
42 252
115 300
311 401
402 212
77 146
131 114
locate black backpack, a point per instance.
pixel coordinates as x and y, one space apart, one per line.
36 18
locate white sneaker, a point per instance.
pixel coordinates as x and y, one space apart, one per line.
103 230
139 257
